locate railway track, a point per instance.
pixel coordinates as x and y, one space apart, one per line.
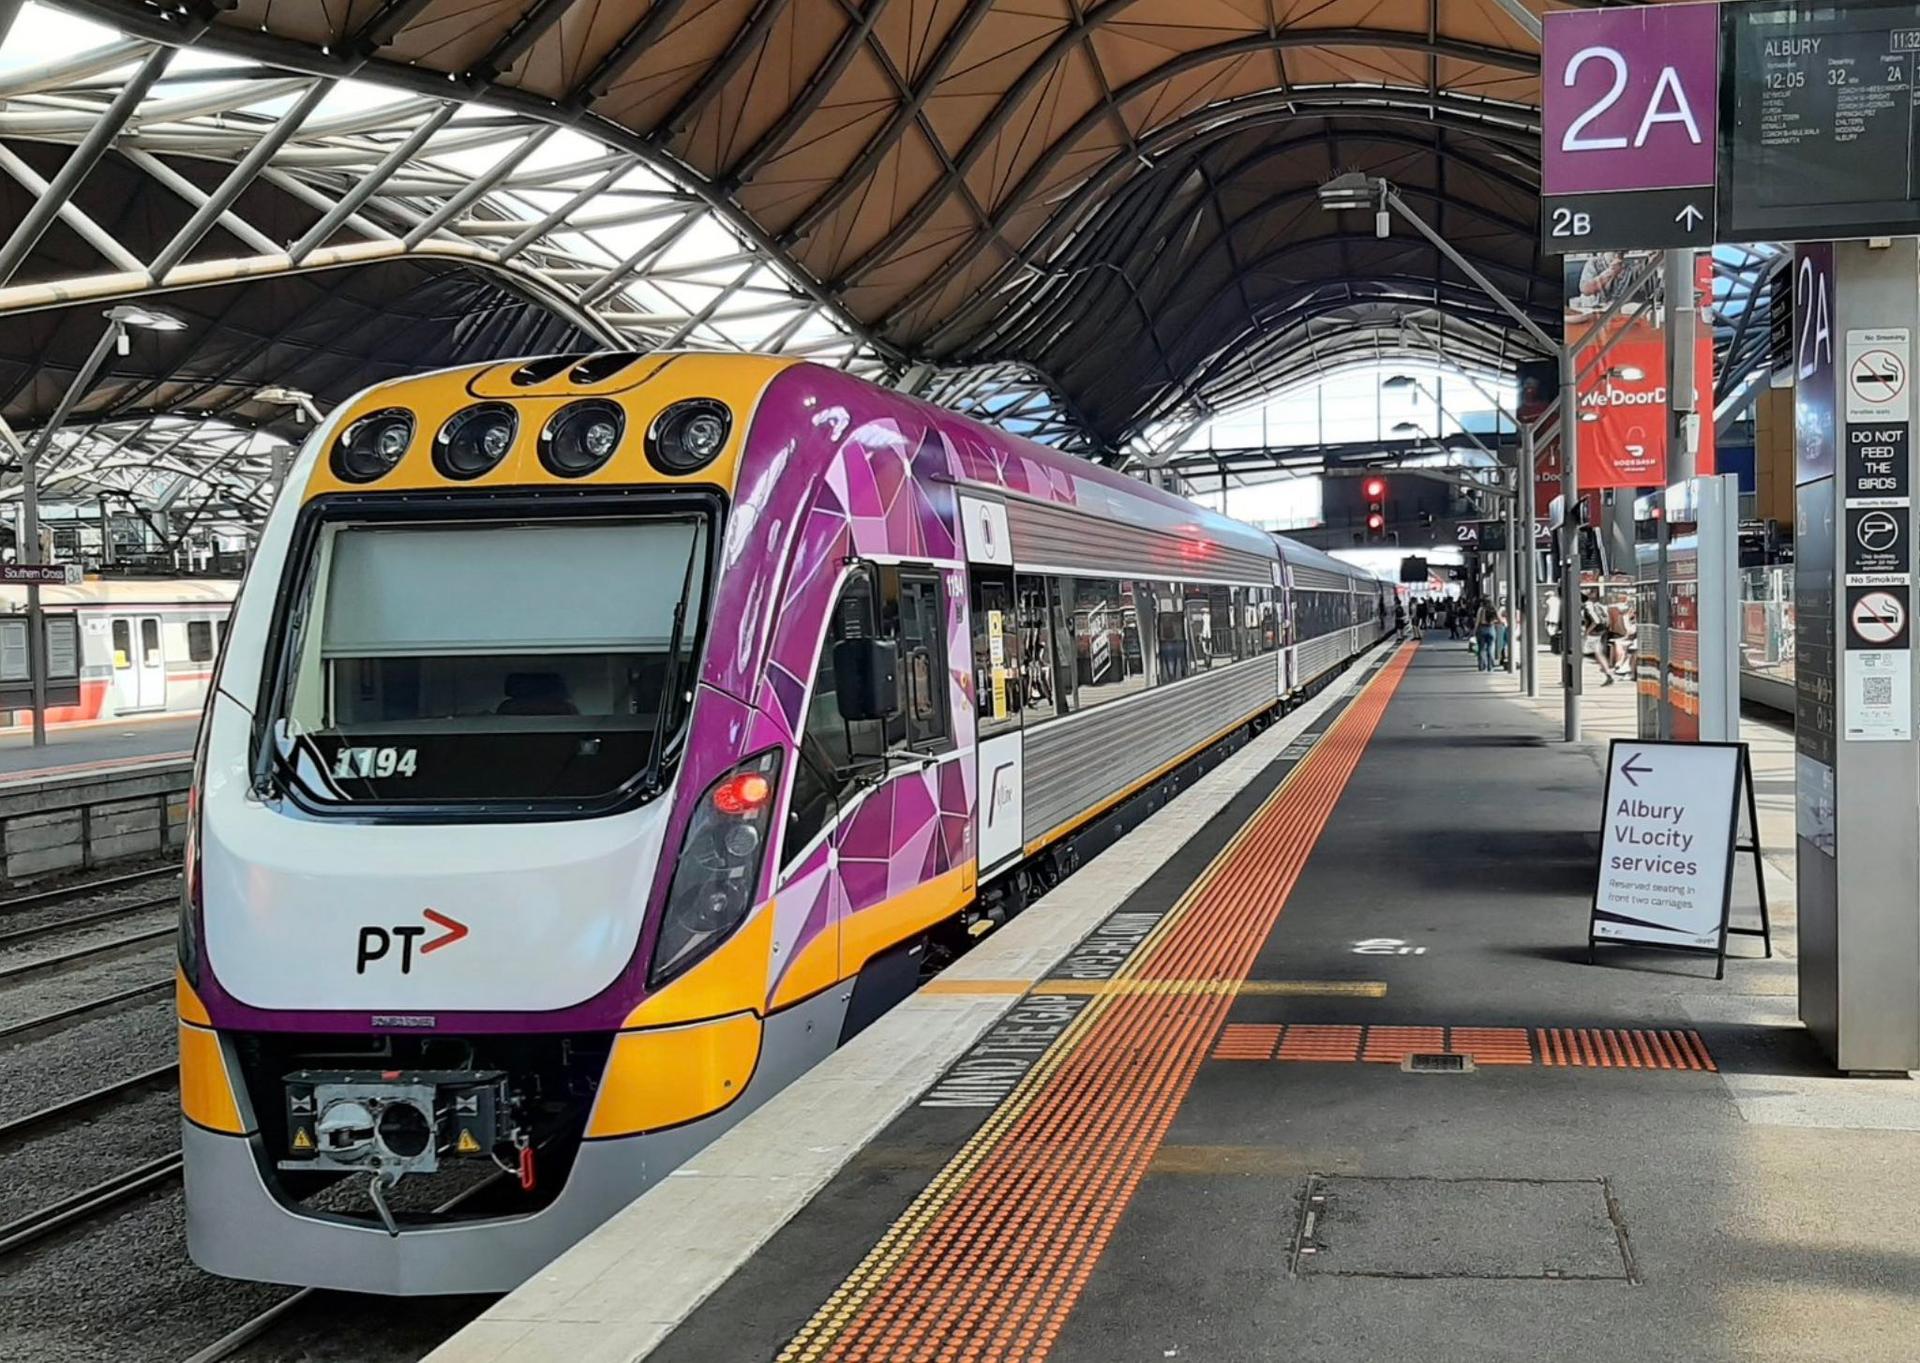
17 1031
22 1231
21 936
45 964
54 1114
61 894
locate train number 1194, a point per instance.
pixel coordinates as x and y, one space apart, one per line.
363 762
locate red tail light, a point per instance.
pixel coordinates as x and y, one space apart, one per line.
742 793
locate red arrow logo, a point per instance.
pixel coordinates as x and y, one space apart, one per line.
455 930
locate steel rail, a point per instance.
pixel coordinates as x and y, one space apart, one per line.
23 935
21 1128
14 1031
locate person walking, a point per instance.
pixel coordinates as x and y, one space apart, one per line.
1483 627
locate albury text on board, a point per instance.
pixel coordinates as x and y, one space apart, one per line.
1640 829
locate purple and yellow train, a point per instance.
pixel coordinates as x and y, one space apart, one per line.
601 740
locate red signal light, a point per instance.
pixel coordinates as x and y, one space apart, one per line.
1376 489
1376 522
742 794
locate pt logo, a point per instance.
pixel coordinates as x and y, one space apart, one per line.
376 943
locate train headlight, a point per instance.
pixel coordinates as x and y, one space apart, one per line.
718 873
581 437
371 446
474 440
688 435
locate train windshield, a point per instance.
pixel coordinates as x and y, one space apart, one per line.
492 662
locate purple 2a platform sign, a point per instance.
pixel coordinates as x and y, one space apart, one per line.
1630 131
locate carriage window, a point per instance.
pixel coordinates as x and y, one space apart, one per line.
150 643
200 640
825 770
493 661
122 644
1042 685
1108 657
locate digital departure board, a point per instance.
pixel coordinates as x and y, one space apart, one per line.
1820 123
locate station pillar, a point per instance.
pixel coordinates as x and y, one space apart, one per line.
1857 769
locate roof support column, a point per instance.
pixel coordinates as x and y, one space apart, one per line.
350 202
242 175
84 158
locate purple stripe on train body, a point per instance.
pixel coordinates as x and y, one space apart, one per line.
832 466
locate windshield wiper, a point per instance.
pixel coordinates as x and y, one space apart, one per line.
670 681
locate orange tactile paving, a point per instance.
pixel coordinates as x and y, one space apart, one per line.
1491 1045
1623 1048
1247 1041
1311 1042
1585 1047
988 1261
1391 1045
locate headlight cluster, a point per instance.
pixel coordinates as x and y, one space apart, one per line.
719 867
371 446
577 440
581 437
474 440
688 435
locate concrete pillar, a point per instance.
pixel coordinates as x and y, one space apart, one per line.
1857 770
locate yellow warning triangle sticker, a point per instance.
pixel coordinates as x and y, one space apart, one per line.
467 1145
301 1140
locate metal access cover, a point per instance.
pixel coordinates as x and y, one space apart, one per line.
1426 1062
1493 1228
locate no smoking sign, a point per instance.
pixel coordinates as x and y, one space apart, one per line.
1879 377
1876 618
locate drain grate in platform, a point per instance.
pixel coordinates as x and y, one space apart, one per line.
1492 1228
1425 1062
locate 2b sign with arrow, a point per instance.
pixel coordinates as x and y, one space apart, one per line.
1630 128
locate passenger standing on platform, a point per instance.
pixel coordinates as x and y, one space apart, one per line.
1594 634
1483 629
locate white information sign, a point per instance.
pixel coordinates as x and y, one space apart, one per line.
1666 849
1879 388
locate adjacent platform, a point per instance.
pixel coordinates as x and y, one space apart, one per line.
96 746
1208 1130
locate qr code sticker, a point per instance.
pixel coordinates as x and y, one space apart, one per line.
1876 691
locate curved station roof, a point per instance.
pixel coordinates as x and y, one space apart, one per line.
1088 219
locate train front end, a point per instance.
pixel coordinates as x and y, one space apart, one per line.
465 817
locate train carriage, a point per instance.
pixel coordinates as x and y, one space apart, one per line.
146 646
599 747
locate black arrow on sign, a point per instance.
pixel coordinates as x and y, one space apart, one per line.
1628 770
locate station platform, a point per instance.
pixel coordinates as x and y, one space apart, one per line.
96 746
1311 1066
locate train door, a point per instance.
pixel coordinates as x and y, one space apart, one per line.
998 804
1274 612
139 666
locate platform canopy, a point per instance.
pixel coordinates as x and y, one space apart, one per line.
1092 220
